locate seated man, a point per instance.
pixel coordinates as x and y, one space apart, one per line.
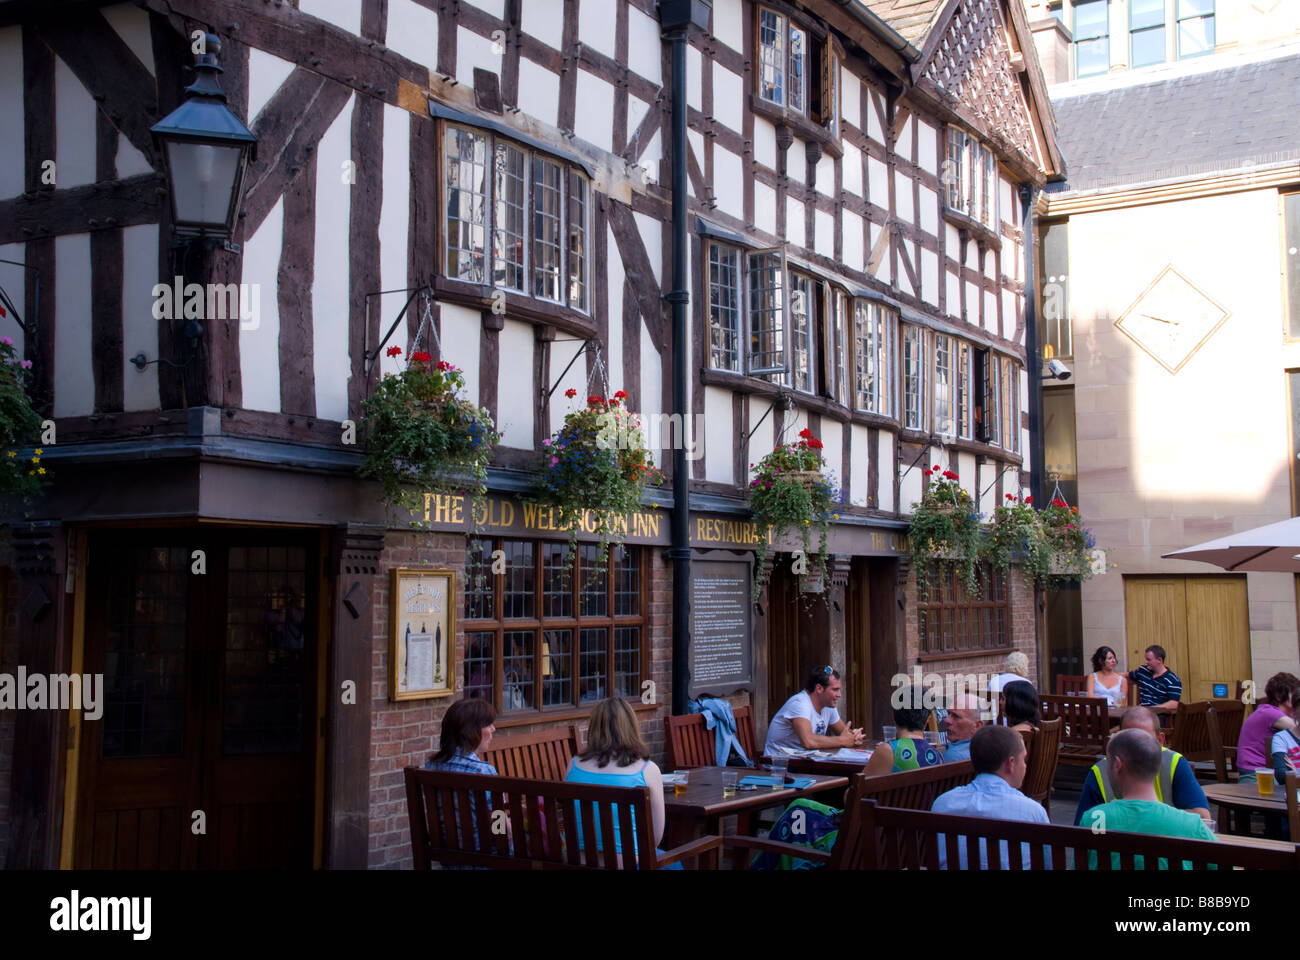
962 722
1175 785
809 720
998 756
1158 687
1133 759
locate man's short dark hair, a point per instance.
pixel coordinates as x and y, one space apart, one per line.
993 746
821 677
1158 650
1140 752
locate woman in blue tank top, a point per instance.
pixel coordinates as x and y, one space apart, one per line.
617 756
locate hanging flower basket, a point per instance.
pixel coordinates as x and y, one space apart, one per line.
20 475
1016 536
422 435
1069 542
593 470
791 491
945 529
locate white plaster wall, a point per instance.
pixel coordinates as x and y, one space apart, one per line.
966 471
651 231
694 78
728 26
461 335
929 211
495 7
636 111
729 182
929 277
473 51
74 129
13 148
129 160
728 97
413 32
762 442
851 97
652 378
265 74
877 183
851 248
991 311
596 23
616 361
644 45
904 141
330 293
515 394
575 379
132 25
885 451
341 13
539 91
720 436
954 294
832 437
904 284
544 19
927 148
394 219
903 197
909 484
794 223
764 143
795 166
592 121
858 475
139 328
74 378
874 130
826 175
851 170
14 280
764 208
825 226
1007 193
259 350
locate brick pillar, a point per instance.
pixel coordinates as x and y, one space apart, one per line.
354 567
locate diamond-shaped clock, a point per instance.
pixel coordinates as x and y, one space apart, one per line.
1172 319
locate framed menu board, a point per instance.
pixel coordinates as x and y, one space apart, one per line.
422 649
722 649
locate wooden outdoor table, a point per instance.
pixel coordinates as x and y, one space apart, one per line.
839 768
699 809
1236 801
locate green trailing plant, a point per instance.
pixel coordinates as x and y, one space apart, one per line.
945 529
22 473
1069 542
423 435
1015 536
790 490
593 471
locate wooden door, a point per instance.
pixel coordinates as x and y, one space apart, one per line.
209 702
798 637
857 705
1202 622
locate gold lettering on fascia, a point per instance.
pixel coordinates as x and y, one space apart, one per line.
495 514
709 530
895 542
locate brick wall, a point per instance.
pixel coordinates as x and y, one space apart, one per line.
404 734
1022 629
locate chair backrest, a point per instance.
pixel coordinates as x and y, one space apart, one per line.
911 788
745 732
459 819
1087 720
893 839
1044 746
1071 685
1228 717
1191 735
690 742
1292 805
541 755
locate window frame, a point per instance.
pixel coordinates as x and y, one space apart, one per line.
882 336
1079 40
540 624
810 295
569 174
1179 17
991 610
919 390
1133 32
784 30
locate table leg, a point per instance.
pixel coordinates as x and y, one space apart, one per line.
744 828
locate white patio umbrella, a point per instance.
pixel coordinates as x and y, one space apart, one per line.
1275 547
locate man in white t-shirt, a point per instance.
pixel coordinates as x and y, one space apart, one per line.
809 720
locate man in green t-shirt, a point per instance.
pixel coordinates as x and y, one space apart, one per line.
1133 762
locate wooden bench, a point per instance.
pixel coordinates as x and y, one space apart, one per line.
542 755
1191 736
1226 719
912 788
894 839
692 744
1087 726
1044 748
452 823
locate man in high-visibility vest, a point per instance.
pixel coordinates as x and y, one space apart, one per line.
1175 784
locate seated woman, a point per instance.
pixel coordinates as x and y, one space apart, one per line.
1275 712
908 751
467 727
1104 681
617 756
1020 706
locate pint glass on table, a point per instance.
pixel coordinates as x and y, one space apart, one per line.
1264 780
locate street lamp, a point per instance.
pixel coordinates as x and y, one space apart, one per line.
206 150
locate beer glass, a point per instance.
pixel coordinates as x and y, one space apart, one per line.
780 765
1264 780
683 777
729 778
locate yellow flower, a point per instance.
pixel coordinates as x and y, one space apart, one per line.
39 451
31 473
12 454
36 459
41 470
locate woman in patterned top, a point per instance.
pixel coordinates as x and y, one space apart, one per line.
908 750
467 727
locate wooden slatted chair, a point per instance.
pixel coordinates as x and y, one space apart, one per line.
1293 805
1071 685
893 839
542 755
1044 747
1226 719
910 788
692 744
745 731
1191 736
1087 727
453 822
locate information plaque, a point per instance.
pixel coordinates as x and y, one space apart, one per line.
722 649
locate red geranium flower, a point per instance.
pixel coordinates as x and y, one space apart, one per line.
393 352
1010 497
949 475
805 433
571 393
620 395
1029 499
421 357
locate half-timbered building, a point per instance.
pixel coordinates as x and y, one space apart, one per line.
860 177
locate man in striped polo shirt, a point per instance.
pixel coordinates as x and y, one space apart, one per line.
1158 687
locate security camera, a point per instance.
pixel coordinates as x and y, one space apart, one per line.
1056 370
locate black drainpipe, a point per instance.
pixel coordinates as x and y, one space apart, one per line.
1033 354
675 18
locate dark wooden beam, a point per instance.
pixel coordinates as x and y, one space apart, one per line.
636 264
95 206
20 221
569 71
363 240
294 283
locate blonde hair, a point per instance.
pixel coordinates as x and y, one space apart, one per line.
613 735
1017 663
